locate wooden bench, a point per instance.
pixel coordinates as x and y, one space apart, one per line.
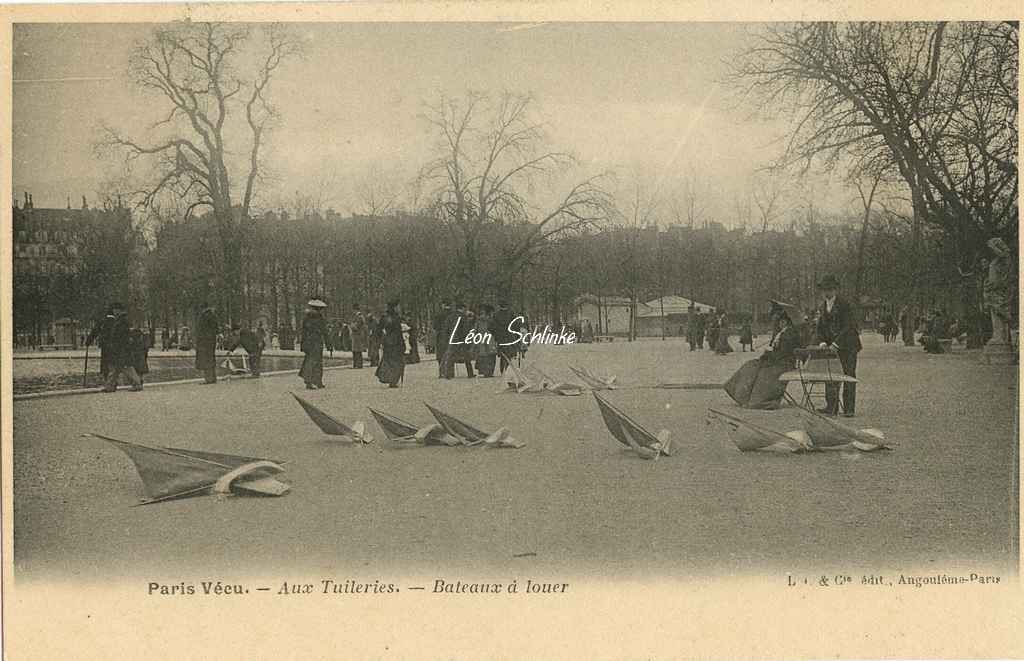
604 338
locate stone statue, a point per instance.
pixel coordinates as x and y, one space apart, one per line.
997 300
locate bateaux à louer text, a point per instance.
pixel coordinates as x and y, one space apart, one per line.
537 336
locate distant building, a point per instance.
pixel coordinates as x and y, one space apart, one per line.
673 309
48 246
609 315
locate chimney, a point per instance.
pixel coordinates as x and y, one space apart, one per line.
31 204
85 205
25 205
69 203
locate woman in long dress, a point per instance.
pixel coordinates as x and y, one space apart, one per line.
756 384
722 345
389 331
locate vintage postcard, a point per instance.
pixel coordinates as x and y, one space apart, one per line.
511 331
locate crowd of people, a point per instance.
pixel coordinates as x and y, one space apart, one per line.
482 342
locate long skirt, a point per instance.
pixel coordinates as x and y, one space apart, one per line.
722 345
312 371
756 385
392 366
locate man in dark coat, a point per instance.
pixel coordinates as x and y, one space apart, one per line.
458 322
837 328
251 342
357 336
502 335
440 336
373 338
100 334
692 326
206 343
314 329
119 349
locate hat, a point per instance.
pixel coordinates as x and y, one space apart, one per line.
316 303
828 282
778 308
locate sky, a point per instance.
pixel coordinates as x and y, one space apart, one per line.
649 101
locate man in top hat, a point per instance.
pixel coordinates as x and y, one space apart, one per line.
837 328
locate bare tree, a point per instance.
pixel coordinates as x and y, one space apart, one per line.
490 154
194 69
937 102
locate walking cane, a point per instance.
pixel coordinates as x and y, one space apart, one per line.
86 370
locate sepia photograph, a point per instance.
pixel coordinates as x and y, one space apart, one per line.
306 308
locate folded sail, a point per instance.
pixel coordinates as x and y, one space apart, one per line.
826 432
748 436
628 432
394 428
169 473
592 380
458 428
327 424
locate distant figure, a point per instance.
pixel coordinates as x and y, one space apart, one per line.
119 346
357 336
413 332
440 338
587 332
746 336
313 341
138 347
389 331
100 333
372 340
206 343
500 323
712 333
907 326
692 326
721 344
486 352
250 341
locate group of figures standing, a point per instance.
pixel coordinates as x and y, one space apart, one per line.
123 348
384 339
497 330
713 328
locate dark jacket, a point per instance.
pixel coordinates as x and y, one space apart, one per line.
206 340
249 341
138 349
389 331
839 326
313 333
499 327
119 343
784 343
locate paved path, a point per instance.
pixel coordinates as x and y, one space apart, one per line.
571 499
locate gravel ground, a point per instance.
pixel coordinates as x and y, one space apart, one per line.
571 500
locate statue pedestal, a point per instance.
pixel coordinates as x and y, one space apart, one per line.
998 353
